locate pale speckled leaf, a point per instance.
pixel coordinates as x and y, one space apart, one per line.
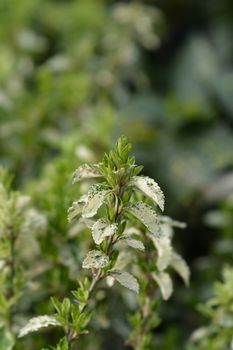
174 223
76 208
133 242
95 259
86 171
150 188
146 215
36 323
181 267
165 284
164 250
96 197
125 279
102 229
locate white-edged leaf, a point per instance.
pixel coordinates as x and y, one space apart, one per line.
147 215
125 279
36 323
174 223
164 250
95 259
133 242
102 229
181 267
86 171
165 284
150 188
96 197
76 208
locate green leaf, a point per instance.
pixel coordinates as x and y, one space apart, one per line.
6 340
181 267
95 259
37 323
146 215
63 344
164 250
96 197
125 279
165 284
150 188
102 229
86 171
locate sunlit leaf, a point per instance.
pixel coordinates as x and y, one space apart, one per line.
165 284
150 188
146 215
126 279
37 323
95 259
76 208
181 267
86 171
102 229
133 242
164 250
96 197
174 223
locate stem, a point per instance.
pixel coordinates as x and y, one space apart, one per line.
72 336
12 264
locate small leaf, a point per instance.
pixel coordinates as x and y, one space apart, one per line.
164 250
37 323
174 223
86 171
76 208
150 188
102 229
181 267
133 242
6 340
165 284
125 279
63 344
146 215
95 259
96 197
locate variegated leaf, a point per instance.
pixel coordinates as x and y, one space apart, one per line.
164 250
37 323
76 208
181 267
150 188
146 215
86 171
95 259
165 284
125 279
102 229
174 223
133 242
96 197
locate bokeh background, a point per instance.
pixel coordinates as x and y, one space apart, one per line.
76 74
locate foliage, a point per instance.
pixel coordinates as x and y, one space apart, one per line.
73 76
217 334
108 209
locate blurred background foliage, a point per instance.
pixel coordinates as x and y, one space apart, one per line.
75 74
